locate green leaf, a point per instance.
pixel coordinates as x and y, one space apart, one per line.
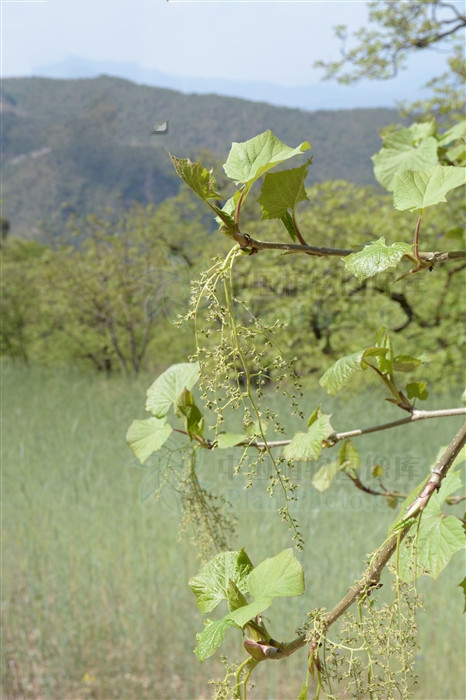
376 257
253 429
282 191
211 584
455 133
147 436
343 370
450 484
406 363
194 420
241 616
198 178
377 471
279 576
416 190
421 130
348 461
225 214
166 389
457 154
438 540
325 475
349 456
401 152
235 599
211 637
287 221
226 440
417 390
249 160
384 362
306 447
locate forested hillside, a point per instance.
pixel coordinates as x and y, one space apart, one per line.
79 146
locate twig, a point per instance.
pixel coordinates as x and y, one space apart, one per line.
337 437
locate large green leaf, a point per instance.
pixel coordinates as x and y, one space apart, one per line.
437 539
376 257
147 436
197 177
402 151
211 585
166 389
306 447
249 160
282 191
211 637
279 576
344 368
416 190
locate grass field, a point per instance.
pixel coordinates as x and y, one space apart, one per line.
95 600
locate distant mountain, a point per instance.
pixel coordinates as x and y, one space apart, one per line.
86 144
318 95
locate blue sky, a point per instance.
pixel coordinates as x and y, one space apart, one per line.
236 41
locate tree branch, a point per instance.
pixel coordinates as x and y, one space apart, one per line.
254 246
371 577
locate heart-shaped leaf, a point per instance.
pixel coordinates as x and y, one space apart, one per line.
211 585
147 436
282 191
416 190
402 151
249 160
345 367
166 389
306 447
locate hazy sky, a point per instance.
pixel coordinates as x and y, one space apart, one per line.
275 41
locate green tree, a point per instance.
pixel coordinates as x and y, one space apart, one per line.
21 298
114 293
399 29
109 297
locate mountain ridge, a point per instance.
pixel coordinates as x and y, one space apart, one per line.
80 145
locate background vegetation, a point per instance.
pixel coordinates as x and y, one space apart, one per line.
92 608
